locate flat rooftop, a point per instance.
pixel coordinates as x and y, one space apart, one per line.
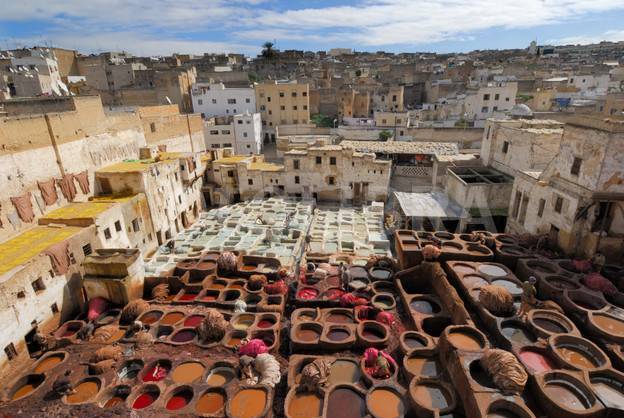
403 147
429 205
78 210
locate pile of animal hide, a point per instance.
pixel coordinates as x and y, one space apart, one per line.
213 326
505 370
133 310
497 300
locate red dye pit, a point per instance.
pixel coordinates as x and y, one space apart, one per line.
193 320
307 293
536 361
265 323
188 296
176 402
155 374
144 400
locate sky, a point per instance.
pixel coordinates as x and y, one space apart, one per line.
162 27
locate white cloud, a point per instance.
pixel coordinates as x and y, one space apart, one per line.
610 35
143 25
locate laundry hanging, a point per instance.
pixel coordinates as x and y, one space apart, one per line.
66 183
83 181
48 191
24 208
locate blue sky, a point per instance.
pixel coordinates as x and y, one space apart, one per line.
159 27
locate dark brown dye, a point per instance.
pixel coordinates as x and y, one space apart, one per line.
338 334
183 336
550 325
307 335
339 318
345 403
413 342
372 334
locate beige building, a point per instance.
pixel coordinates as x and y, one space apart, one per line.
282 103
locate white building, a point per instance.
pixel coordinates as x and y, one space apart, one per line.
490 99
217 100
240 132
37 75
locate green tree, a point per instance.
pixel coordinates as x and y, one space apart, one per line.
322 121
385 135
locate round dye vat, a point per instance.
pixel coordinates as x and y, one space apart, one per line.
357 272
307 293
609 391
171 318
561 283
188 372
577 357
431 396
423 306
609 324
413 342
492 270
385 403
512 287
358 284
550 325
145 399
193 320
114 401
220 376
344 371
339 318
32 383
210 403
565 394
83 392
464 341
188 297
210 297
345 403
49 363
179 400
517 335
150 317
472 280
304 405
373 333
248 403
501 414
183 336
333 281
266 323
380 274
156 373
338 334
234 340
463 269
307 334
423 366
118 335
243 322
249 268
383 302
536 361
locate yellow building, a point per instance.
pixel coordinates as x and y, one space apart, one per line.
283 103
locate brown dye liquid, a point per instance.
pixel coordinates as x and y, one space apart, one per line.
150 317
384 403
307 335
562 394
249 268
345 403
339 318
118 335
305 405
210 402
48 364
187 372
344 371
172 318
550 325
577 357
248 403
422 366
338 334
219 377
372 334
609 394
23 391
608 324
431 396
114 401
463 341
84 392
234 341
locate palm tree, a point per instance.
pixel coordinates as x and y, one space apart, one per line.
267 50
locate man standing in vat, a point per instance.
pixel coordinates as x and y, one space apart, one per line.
529 299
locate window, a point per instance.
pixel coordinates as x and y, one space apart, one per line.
214 132
215 146
332 160
54 308
495 108
296 164
227 145
10 351
38 285
225 132
261 94
485 109
496 96
296 179
86 249
200 102
214 101
576 166
262 108
230 173
294 94
153 127
107 233
269 99
117 226
330 181
505 147
240 121
179 199
247 100
394 99
135 224
21 294
295 121
294 107
383 121
486 97
250 182
281 93
319 160
282 107
231 101
244 134
558 204
304 94
305 107
270 112
540 209
398 121
506 99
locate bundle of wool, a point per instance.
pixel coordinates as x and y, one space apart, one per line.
315 375
505 370
363 312
256 282
133 310
227 262
319 274
350 300
160 292
105 333
213 326
333 294
431 252
97 306
596 281
144 337
378 363
105 353
283 273
325 266
268 368
386 318
582 266
240 306
252 347
277 288
497 300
